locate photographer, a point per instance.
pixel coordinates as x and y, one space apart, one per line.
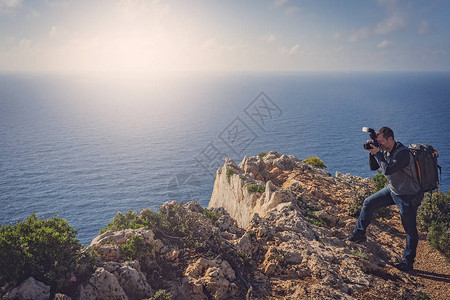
396 163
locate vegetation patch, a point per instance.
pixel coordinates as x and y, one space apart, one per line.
262 154
315 162
433 216
190 232
162 295
45 249
360 255
136 248
229 174
255 188
380 182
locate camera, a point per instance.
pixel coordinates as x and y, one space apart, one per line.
373 136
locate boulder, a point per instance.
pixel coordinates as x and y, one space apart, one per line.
131 279
215 276
30 289
102 286
108 243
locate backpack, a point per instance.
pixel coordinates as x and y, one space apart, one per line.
425 158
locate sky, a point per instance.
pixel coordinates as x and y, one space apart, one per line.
137 37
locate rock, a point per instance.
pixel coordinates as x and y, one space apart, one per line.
215 276
283 243
194 207
297 226
30 289
108 243
131 279
234 196
102 286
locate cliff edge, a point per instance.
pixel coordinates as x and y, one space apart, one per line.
274 229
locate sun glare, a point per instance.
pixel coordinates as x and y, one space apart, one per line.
132 40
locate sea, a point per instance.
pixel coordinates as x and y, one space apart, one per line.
86 147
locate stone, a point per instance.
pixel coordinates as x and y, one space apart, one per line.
30 289
107 244
215 276
102 286
130 278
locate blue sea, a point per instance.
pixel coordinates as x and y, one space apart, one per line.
86 147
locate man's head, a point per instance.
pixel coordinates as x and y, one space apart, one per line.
385 137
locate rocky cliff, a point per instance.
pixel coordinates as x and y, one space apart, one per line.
274 229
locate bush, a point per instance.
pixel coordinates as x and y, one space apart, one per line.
262 154
255 188
315 162
434 216
173 221
44 249
380 181
124 221
162 295
136 248
357 203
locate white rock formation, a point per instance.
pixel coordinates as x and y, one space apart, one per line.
232 181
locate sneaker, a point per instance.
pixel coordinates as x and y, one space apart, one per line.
404 266
357 238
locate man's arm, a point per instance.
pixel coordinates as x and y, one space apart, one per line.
400 161
373 163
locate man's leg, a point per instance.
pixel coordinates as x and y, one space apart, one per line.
382 198
408 213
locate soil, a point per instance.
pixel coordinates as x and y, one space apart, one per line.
432 270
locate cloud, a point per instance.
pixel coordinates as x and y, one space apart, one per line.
396 18
360 34
290 50
278 3
292 10
9 6
270 38
57 31
424 27
384 44
393 23
24 44
439 52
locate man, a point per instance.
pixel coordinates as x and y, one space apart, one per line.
396 163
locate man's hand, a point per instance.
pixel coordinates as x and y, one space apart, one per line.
374 150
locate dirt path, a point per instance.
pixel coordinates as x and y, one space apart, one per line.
431 269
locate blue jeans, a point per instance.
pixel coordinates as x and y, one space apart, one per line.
408 212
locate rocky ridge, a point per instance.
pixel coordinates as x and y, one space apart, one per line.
279 235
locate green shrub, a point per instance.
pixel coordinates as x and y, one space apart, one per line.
360 255
380 181
434 216
229 174
310 215
173 220
357 203
43 248
436 208
262 154
123 221
136 248
162 295
255 188
211 214
315 162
